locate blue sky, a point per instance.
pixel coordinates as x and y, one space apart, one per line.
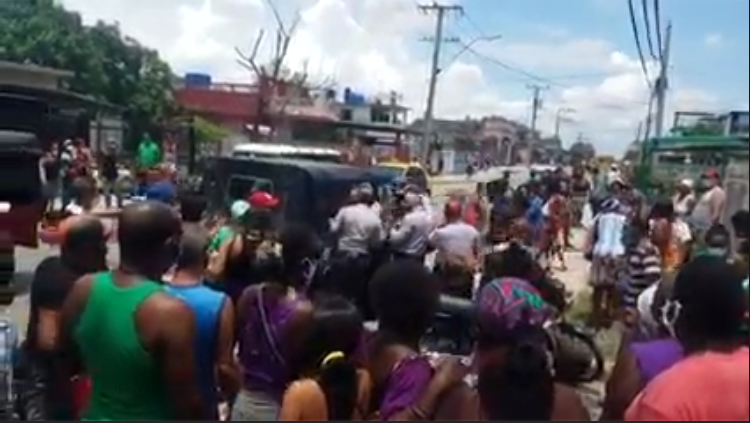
710 41
585 47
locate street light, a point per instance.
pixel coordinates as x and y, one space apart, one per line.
468 46
559 114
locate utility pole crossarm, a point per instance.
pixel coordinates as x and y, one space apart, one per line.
433 7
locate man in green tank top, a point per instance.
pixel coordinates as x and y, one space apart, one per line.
128 335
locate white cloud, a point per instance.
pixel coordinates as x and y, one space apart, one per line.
713 40
371 45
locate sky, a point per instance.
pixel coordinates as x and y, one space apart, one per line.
581 51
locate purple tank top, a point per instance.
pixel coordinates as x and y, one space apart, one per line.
264 368
654 357
405 386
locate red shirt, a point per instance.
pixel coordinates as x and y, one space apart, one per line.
705 387
472 214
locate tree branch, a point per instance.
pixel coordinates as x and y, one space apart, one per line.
248 61
277 17
284 40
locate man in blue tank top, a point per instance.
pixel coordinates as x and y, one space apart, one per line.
214 314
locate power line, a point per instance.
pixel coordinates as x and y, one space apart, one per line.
511 68
639 48
475 26
647 25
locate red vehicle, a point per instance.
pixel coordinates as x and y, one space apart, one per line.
21 200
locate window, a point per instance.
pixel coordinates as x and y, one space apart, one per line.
378 115
15 167
241 186
346 115
416 176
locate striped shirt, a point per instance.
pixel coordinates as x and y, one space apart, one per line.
643 269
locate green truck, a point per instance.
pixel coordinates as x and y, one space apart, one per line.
718 142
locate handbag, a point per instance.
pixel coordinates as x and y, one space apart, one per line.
576 357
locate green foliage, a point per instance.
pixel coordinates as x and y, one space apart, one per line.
106 64
207 132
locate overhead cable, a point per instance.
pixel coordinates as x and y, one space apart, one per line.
638 46
647 26
657 24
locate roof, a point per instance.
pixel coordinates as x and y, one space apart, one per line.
32 68
306 112
53 97
375 126
266 148
22 136
15 141
330 171
699 142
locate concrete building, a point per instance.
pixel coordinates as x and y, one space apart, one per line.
377 122
253 112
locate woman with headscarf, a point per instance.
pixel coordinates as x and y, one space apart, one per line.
513 359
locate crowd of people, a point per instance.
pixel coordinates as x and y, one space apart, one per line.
70 168
237 321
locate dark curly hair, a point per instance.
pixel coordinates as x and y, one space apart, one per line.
404 296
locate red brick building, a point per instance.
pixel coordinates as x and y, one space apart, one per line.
293 112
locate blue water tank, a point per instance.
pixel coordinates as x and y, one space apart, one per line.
353 98
197 80
358 99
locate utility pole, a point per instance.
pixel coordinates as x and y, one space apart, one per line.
440 12
536 104
661 86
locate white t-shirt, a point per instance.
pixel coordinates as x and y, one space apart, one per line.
680 231
74 209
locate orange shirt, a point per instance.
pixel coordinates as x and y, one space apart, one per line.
705 387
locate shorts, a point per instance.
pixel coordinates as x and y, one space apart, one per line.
606 271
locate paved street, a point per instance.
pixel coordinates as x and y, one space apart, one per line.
27 260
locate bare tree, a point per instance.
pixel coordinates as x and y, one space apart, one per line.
272 74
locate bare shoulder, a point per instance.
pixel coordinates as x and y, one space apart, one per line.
303 388
303 307
569 405
80 292
165 305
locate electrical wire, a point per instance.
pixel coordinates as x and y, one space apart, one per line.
472 23
657 23
510 68
647 25
638 46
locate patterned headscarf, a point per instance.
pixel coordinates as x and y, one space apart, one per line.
507 304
